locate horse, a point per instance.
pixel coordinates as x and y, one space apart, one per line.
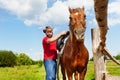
75 55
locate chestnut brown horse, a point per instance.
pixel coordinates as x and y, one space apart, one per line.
75 55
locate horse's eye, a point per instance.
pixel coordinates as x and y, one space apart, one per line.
70 17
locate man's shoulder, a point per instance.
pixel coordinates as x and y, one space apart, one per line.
44 39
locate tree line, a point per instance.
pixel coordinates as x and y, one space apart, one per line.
10 59
116 57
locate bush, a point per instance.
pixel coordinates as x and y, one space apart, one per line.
40 63
7 58
23 59
91 59
117 57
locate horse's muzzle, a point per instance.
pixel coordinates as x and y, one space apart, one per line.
79 34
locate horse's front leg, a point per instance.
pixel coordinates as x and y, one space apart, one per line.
82 75
69 77
76 75
69 74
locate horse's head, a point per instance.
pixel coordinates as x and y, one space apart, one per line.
77 23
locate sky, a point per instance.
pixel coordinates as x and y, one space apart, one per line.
22 22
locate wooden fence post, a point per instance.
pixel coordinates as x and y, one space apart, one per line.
99 62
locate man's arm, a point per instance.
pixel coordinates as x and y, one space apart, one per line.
54 38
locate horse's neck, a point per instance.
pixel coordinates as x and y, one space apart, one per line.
78 44
73 42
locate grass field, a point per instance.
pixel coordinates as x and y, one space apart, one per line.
34 72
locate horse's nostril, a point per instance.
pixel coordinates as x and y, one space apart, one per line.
75 31
79 31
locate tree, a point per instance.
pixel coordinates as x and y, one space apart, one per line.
91 59
7 58
23 59
118 57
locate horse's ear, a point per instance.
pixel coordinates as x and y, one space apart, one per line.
70 10
83 8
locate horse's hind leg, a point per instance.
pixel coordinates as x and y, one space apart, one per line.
63 72
58 63
82 75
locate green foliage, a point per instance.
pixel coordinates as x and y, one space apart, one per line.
39 62
107 58
91 59
7 58
23 59
117 57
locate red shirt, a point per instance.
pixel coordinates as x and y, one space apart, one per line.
50 51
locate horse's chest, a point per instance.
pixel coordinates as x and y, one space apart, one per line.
78 61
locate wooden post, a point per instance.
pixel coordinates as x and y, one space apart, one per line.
99 62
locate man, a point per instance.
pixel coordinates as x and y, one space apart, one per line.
50 52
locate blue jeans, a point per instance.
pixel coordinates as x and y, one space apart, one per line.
50 68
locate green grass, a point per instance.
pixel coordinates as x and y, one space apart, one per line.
34 72
90 71
113 68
